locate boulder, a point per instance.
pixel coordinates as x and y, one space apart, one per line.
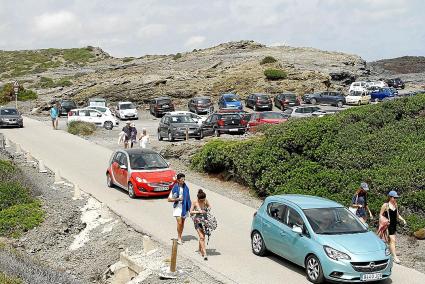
420 234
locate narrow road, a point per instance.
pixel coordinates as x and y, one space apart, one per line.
230 257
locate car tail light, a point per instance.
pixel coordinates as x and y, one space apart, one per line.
70 113
244 122
255 214
220 122
156 107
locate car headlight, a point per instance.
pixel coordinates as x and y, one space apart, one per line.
335 254
387 251
141 180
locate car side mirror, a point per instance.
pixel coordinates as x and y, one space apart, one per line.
99 115
297 230
168 164
123 167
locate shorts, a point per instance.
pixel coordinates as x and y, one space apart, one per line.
54 119
198 225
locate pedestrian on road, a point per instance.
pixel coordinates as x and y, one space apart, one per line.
389 211
133 134
144 139
198 211
54 115
359 204
127 134
180 197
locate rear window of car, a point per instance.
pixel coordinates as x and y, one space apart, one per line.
203 101
181 119
263 97
272 115
68 103
7 111
230 116
164 102
231 98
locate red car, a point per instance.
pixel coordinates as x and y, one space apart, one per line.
141 172
267 117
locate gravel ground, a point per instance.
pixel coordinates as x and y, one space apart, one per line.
81 238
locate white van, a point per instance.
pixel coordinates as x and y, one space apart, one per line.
358 86
97 102
126 110
357 98
92 116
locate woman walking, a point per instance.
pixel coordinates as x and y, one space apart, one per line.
144 139
389 211
180 197
198 211
133 134
359 203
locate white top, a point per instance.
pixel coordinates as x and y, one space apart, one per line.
177 211
144 141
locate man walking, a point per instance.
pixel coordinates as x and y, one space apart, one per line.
180 197
54 115
127 134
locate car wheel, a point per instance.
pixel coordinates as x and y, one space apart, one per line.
170 137
216 133
339 104
313 101
282 107
257 244
359 103
108 125
109 181
201 134
131 190
314 270
159 136
255 108
21 126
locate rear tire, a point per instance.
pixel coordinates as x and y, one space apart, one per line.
108 125
159 136
313 101
339 104
216 133
131 193
170 137
257 244
313 269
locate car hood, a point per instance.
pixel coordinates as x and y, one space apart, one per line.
129 110
15 116
360 243
158 175
233 103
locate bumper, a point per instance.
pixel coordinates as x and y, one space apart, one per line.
147 191
264 106
204 109
162 111
232 129
11 123
182 134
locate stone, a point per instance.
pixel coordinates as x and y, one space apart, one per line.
420 234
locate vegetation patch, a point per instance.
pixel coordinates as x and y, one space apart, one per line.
128 59
81 128
177 56
7 94
275 74
4 279
382 144
267 60
46 82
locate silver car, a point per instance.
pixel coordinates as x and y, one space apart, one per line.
304 111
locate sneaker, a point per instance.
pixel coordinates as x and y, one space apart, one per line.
397 260
180 242
205 257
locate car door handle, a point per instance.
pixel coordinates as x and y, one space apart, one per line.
268 225
282 233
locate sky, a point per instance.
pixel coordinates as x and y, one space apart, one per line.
373 29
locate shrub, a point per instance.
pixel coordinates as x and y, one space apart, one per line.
81 128
177 56
275 74
8 94
26 95
128 59
330 156
4 279
20 218
12 193
77 55
268 59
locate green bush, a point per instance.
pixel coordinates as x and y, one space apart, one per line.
275 74
77 55
128 59
177 56
20 218
26 95
12 193
267 60
4 279
383 144
81 128
8 94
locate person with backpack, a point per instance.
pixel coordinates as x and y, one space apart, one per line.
388 219
180 196
359 204
198 211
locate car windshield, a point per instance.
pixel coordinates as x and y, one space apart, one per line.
68 103
144 161
203 101
164 102
356 94
272 115
101 109
9 111
231 99
291 98
263 97
333 221
288 111
181 119
127 106
230 116
312 109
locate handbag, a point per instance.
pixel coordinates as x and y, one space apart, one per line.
354 209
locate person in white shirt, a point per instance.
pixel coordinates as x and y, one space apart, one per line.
144 139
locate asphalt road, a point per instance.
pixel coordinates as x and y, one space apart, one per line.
230 256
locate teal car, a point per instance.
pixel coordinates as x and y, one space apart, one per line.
322 236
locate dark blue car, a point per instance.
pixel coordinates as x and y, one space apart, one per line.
382 94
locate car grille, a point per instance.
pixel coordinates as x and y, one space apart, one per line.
159 184
372 266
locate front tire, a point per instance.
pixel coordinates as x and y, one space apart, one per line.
109 181
216 133
314 270
170 137
257 244
131 193
339 104
313 101
108 125
159 136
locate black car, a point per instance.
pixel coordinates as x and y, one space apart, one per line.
395 83
219 123
200 105
66 106
10 116
259 102
332 98
284 100
159 106
174 127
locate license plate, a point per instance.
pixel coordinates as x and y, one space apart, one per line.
191 131
233 129
165 106
371 276
161 188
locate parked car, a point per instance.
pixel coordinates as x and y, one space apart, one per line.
104 110
396 83
357 98
126 110
65 106
267 117
304 111
332 98
230 101
10 116
174 126
285 100
219 123
259 102
161 105
379 84
322 236
394 90
382 94
141 172
199 119
360 86
97 102
200 105
92 116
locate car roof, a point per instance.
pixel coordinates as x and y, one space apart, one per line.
201 97
138 151
6 107
228 94
306 201
97 99
163 98
125 103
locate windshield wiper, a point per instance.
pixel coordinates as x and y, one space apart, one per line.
156 167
